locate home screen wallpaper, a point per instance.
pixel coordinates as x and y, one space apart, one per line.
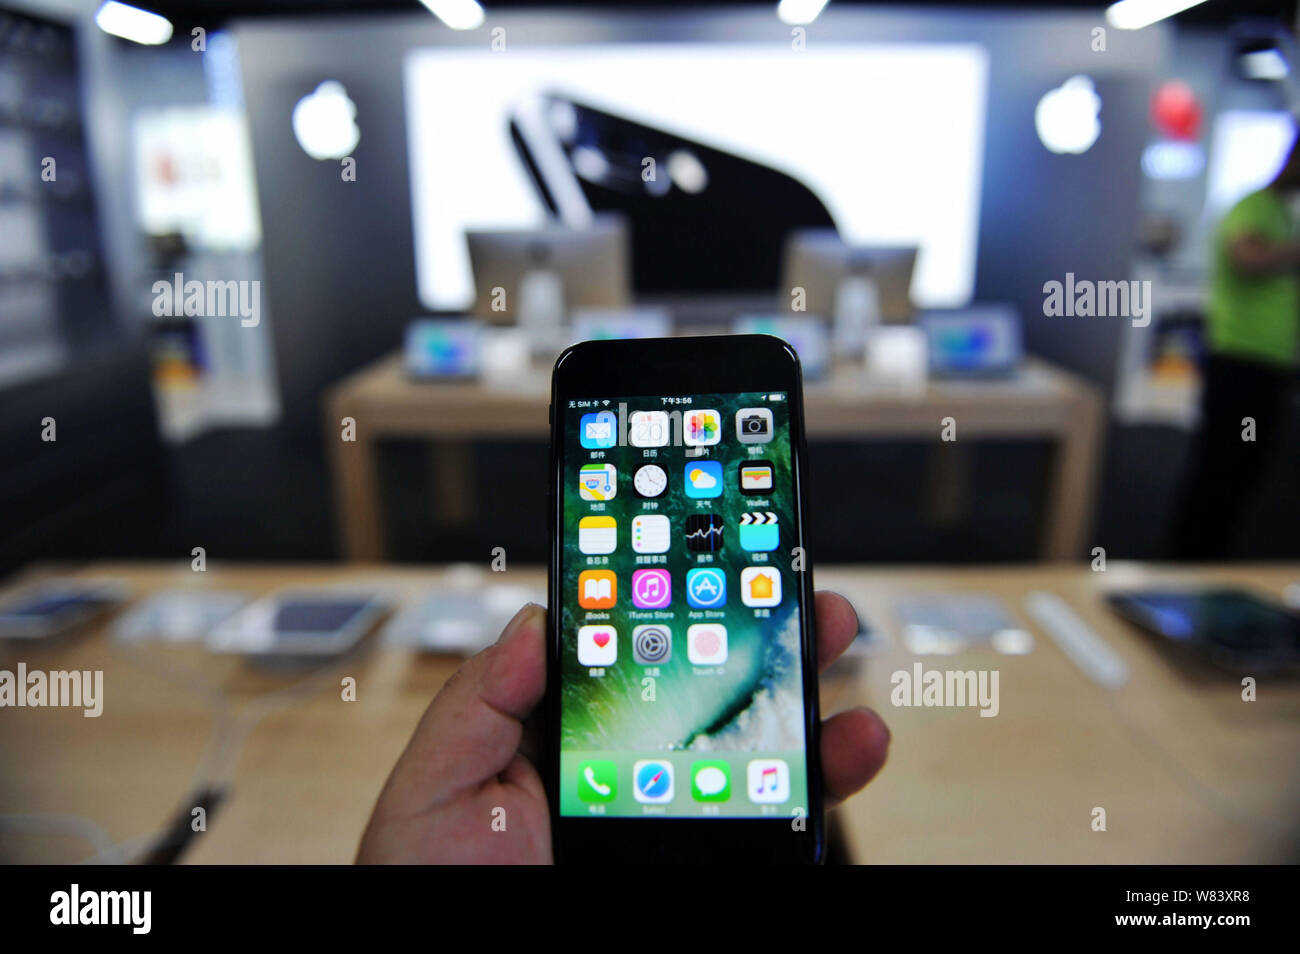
679 609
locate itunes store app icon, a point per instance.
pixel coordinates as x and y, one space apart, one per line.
651 589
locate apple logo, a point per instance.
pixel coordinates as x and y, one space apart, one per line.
1067 117
324 122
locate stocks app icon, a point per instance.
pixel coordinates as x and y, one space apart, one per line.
704 533
652 645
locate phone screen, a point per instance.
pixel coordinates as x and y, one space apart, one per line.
681 658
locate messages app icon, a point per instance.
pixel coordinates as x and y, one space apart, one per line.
703 479
710 781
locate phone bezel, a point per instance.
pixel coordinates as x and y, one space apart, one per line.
685 365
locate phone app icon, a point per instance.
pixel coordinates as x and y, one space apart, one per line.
706 588
756 476
754 425
760 586
597 534
759 531
597 645
651 533
597 482
710 781
597 589
704 533
648 429
768 781
651 589
652 644
650 480
703 479
701 427
598 781
706 644
598 430
653 781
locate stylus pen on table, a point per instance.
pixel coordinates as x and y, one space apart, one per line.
181 832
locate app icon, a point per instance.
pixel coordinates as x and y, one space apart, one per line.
599 429
648 429
650 480
653 781
597 645
651 589
650 533
756 476
754 425
769 781
597 534
710 781
652 644
704 533
597 482
597 589
701 427
706 644
703 479
597 781
760 586
706 588
759 530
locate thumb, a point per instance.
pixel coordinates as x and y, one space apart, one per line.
472 729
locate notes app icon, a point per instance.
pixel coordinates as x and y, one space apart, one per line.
597 534
597 589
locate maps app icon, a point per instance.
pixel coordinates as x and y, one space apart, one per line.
598 430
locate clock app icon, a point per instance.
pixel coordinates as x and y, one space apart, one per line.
650 480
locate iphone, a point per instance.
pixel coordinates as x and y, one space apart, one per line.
682 708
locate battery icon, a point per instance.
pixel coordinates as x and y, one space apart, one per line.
776 397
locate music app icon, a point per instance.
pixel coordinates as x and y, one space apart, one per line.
768 781
651 589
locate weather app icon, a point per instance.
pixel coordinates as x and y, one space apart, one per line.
706 588
703 479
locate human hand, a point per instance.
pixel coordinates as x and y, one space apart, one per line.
476 748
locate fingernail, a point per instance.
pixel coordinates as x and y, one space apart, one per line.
517 621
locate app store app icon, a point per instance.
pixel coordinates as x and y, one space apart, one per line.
706 588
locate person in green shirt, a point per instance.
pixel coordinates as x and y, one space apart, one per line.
1252 336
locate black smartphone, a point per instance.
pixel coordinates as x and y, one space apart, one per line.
1230 628
682 675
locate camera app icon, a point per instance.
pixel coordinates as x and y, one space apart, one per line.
754 425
